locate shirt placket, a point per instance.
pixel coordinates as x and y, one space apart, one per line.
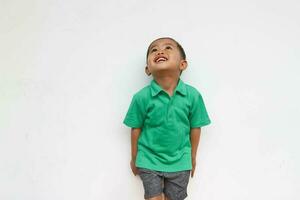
169 107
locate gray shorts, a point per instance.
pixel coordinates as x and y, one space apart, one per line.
172 184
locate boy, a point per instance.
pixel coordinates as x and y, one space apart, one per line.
166 119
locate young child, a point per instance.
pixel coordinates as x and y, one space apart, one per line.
166 119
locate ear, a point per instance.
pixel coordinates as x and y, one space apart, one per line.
147 71
183 65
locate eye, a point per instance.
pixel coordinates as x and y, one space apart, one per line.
153 50
168 47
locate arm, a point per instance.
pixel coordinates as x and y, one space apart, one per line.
135 133
195 138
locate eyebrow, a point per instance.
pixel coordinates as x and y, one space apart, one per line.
164 44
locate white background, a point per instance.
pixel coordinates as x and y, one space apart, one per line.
68 70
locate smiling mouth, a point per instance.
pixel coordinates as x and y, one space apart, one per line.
160 59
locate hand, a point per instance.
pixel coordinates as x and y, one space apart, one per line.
133 168
193 166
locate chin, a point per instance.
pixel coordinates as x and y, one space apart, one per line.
159 69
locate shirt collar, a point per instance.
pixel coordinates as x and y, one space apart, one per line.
156 89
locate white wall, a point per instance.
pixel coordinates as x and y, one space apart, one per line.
68 70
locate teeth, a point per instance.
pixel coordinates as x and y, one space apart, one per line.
161 59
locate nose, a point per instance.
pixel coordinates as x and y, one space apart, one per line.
159 52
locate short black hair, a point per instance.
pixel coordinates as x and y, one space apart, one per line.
181 50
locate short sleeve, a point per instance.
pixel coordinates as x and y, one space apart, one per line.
198 114
135 116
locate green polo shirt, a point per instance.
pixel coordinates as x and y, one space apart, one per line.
164 143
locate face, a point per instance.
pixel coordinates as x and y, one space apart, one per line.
164 55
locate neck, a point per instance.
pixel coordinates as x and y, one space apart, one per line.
167 83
